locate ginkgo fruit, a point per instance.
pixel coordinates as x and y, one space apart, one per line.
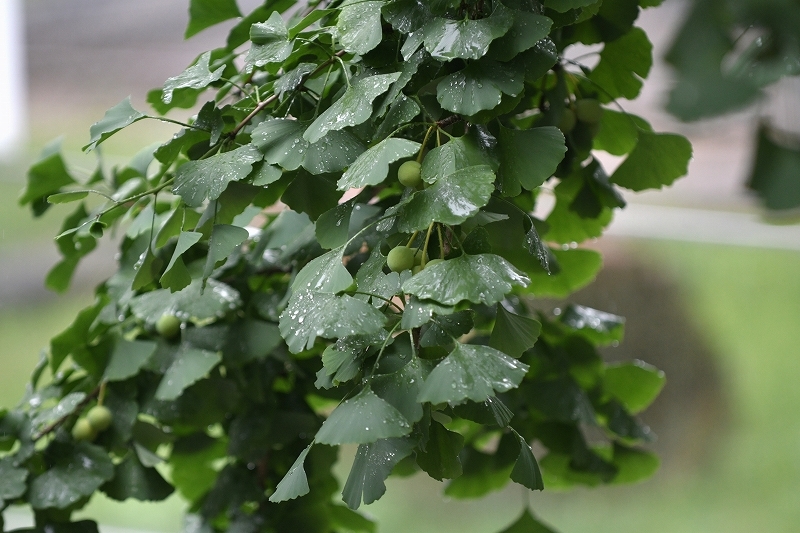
567 122
400 258
99 417
588 110
83 430
168 325
409 174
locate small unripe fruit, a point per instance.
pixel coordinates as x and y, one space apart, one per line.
567 122
433 262
588 110
409 174
400 258
83 430
99 417
168 326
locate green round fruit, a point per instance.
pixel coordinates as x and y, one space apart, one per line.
400 258
409 174
168 325
588 110
83 430
567 122
433 262
99 417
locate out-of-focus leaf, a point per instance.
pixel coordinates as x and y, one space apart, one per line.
190 365
133 480
206 13
657 160
75 471
636 384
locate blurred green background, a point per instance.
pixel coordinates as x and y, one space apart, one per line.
722 321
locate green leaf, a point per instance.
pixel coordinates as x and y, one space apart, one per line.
440 456
528 157
636 384
359 25
633 465
133 480
447 39
353 108
127 358
372 166
196 181
190 304
362 419
67 197
657 160
370 279
623 64
46 176
484 278
578 268
188 366
477 87
372 465
332 227
619 132
599 327
223 241
401 388
192 462
526 469
270 42
176 276
295 483
526 523
513 334
417 313
527 30
472 149
311 194
312 314
333 153
197 76
483 473
13 485
120 116
471 372
775 175
347 521
281 140
451 200
74 472
325 274
206 13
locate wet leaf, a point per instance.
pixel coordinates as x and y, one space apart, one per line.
206 13
120 116
176 276
371 280
478 87
325 274
223 241
372 166
401 388
206 179
353 108
419 312
133 480
270 42
528 157
295 483
372 465
362 419
312 314
359 25
451 200
189 365
484 278
332 227
527 30
127 358
333 153
598 326
526 469
578 268
281 141
75 472
471 372
13 481
190 304
197 76
447 39
513 334
440 456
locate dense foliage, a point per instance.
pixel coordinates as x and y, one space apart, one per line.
282 291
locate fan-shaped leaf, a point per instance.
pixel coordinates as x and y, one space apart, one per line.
295 482
326 274
372 166
359 25
120 116
203 179
513 334
526 469
372 465
362 419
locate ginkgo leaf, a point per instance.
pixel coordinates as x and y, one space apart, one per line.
295 483
483 278
447 39
353 108
529 157
513 334
223 241
326 274
190 365
362 419
120 116
372 166
451 200
471 372
74 472
526 470
197 76
657 160
313 314
281 141
206 179
372 465
270 42
359 25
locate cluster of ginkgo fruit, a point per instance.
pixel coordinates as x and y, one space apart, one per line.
97 420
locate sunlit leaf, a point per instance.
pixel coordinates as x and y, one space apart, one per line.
471 372
484 278
362 419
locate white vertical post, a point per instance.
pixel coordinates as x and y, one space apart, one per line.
12 78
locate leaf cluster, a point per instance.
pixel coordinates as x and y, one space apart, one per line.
253 325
